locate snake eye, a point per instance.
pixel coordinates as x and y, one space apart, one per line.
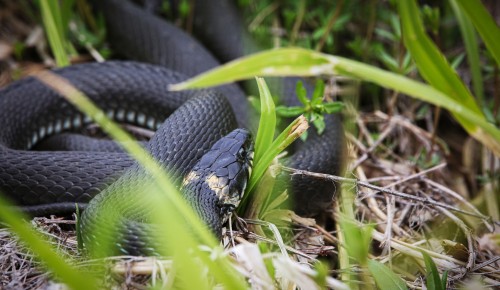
242 153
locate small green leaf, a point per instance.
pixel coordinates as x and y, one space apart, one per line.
301 93
319 91
357 239
433 282
333 107
288 112
384 277
455 62
318 121
303 137
322 273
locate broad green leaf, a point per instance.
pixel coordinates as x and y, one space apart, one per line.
485 25
472 48
276 62
472 120
431 63
384 277
436 70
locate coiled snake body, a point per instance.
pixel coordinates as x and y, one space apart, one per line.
48 182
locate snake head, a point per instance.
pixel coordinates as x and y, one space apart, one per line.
220 178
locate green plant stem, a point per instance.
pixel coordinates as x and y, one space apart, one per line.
330 24
51 18
472 48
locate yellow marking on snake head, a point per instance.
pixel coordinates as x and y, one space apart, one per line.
192 176
213 183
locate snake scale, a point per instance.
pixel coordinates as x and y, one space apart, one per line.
189 124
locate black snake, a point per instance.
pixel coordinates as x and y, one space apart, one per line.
48 182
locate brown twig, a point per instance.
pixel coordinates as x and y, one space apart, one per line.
428 200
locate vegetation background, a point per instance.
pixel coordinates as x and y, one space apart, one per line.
420 199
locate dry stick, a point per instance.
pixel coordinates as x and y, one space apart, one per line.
483 264
460 198
417 175
442 260
372 204
382 178
375 144
420 174
403 213
364 131
361 147
391 209
423 200
371 201
328 236
418 132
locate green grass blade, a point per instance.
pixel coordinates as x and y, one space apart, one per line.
384 277
433 280
472 48
51 19
357 239
166 194
276 62
485 25
474 123
290 134
431 63
74 278
267 122
66 8
437 71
